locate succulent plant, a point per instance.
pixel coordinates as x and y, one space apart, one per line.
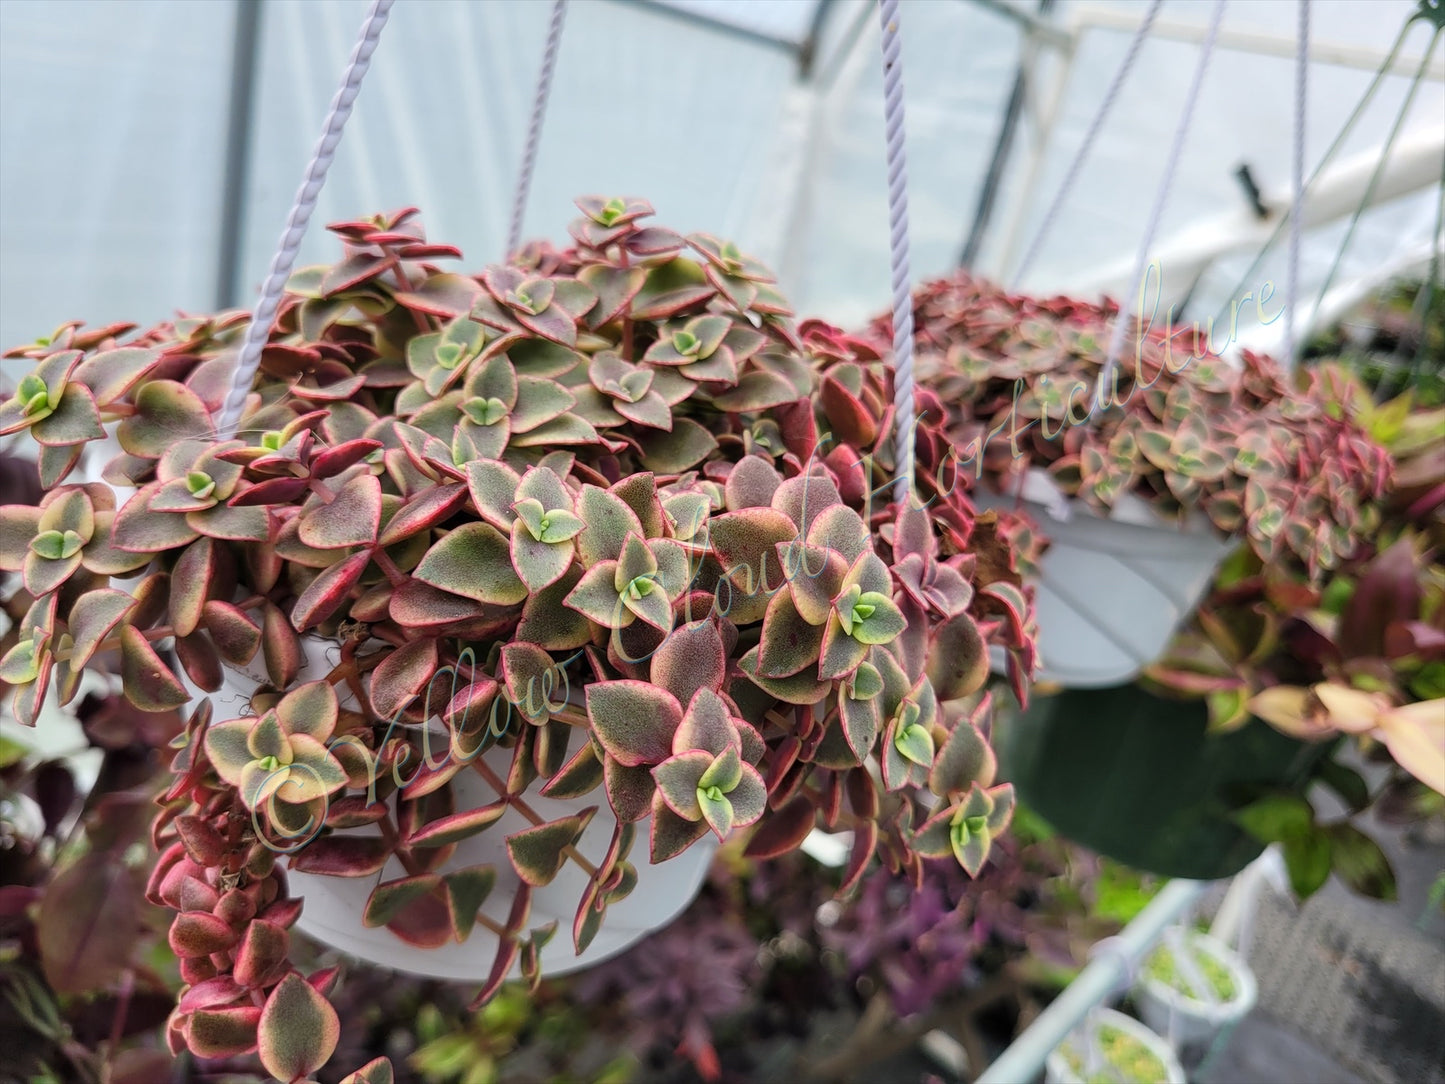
1360 654
1020 385
608 509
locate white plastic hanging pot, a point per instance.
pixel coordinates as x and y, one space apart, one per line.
1090 1048
334 905
1189 1008
1111 591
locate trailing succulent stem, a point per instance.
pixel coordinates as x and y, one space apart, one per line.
601 526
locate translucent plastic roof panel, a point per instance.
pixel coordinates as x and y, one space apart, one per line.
786 20
114 114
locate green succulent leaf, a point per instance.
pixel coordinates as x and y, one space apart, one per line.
537 853
298 1030
473 561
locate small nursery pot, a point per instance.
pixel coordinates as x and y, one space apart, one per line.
1111 591
1059 1069
334 906
1194 1018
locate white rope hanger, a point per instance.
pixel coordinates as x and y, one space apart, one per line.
264 315
1297 179
534 126
1166 182
904 420
1086 145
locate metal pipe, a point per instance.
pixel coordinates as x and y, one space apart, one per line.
1106 975
1006 262
1003 146
244 53
722 26
1334 193
1253 41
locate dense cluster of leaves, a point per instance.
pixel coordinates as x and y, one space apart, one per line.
1022 381
1361 654
621 469
81 981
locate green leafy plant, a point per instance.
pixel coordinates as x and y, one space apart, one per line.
1356 659
589 509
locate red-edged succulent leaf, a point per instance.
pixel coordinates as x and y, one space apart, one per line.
609 522
389 898
197 933
537 853
91 620
298 1030
342 856
634 721
670 834
378 1071
222 1032
351 518
149 683
693 657
535 684
401 677
325 594
802 688
958 660
578 777
261 955
466 891
783 830
677 780
789 643
457 826
473 561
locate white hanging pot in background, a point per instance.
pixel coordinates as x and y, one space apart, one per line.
1192 987
1111 591
1106 1047
334 905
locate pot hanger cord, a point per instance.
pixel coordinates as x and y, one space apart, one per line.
1385 68
1375 175
1087 143
904 420
1116 339
264 315
534 127
1297 181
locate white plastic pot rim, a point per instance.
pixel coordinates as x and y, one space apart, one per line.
1216 1012
1129 510
1059 1071
334 905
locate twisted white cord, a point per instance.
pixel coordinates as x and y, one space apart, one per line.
903 409
1116 340
1072 174
534 128
1301 68
265 312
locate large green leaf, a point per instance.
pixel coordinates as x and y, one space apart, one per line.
1136 777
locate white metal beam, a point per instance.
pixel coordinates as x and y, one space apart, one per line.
1414 164
1257 41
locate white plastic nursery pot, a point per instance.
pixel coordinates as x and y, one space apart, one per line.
1195 1019
1111 591
1057 1069
334 905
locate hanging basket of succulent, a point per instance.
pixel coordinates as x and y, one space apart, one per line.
514 594
1143 473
